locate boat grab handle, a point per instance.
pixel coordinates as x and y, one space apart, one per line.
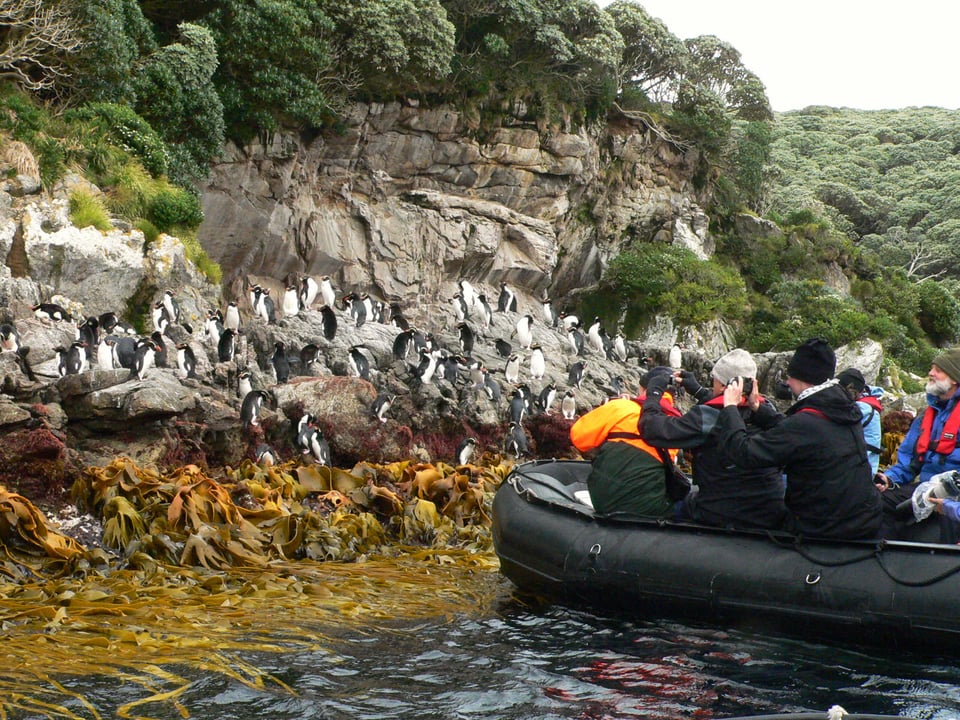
595 551
812 578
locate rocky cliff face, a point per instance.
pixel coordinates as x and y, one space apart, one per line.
404 201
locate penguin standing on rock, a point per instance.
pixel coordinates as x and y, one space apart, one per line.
504 349
160 317
319 448
568 405
512 369
538 364
160 350
467 337
507 299
89 334
516 441
575 373
328 319
305 427
308 291
108 321
547 397
125 352
620 347
244 385
143 359
465 451
518 407
172 307
290 305
9 338
381 406
359 363
281 365
50 311
186 361
227 347
250 408
402 344
309 354
105 357
524 331
575 339
327 293
486 314
231 318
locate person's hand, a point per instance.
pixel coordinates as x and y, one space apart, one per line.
881 481
936 502
688 381
657 385
753 402
732 392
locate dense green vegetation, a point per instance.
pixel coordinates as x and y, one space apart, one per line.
143 93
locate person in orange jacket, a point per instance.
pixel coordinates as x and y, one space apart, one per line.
628 475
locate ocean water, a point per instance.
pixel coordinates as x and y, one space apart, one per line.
487 654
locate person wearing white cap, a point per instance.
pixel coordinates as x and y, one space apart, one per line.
725 495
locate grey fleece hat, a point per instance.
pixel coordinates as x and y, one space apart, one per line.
736 363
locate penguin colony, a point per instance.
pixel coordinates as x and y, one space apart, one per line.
105 343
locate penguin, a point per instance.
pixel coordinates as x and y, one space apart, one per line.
290 304
328 319
547 397
369 308
9 338
568 405
524 331
538 364
359 364
227 347
575 340
512 369
327 293
516 441
50 311
319 447
77 360
212 327
486 314
88 333
125 328
267 308
143 359
620 346
61 360
423 341
504 349
549 316
465 451
186 361
518 407
507 300
309 354
358 311
105 357
381 406
244 385
160 316
575 373
231 318
491 387
281 365
108 321
266 456
309 289
675 359
402 344
125 352
428 365
305 428
160 354
468 294
254 297
459 306
467 337
172 307
251 407
593 335
397 318
569 321
527 396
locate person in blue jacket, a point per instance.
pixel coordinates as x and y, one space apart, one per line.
867 399
930 445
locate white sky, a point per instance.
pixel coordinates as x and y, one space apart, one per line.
863 54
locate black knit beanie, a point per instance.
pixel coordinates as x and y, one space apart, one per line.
813 362
654 372
949 362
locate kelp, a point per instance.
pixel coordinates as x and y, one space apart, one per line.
200 569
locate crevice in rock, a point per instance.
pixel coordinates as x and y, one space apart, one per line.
17 257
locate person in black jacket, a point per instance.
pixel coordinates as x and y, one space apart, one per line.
830 491
724 495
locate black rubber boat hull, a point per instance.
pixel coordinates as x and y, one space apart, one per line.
549 544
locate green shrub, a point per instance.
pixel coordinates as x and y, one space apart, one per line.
87 210
198 256
132 190
149 230
174 207
130 131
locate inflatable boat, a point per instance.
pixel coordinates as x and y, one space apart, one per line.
551 544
